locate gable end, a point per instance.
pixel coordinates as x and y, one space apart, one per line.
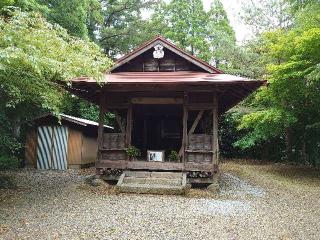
175 59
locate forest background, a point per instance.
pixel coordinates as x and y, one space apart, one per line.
45 41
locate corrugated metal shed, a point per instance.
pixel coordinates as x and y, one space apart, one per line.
61 142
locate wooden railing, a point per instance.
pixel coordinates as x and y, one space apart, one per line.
113 147
199 148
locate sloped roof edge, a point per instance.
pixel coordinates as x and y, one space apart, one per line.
166 43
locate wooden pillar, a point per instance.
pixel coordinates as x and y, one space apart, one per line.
215 144
102 108
184 128
129 125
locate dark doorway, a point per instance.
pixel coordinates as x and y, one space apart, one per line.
157 127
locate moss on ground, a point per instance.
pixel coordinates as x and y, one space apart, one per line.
274 174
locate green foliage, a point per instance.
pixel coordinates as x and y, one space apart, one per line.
5 3
34 56
91 111
229 135
208 35
266 15
133 152
78 17
266 123
245 60
123 27
173 156
187 32
221 35
292 99
9 162
78 107
25 5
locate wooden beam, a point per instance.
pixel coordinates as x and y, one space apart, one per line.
115 106
145 165
118 119
215 155
156 100
200 106
196 121
197 87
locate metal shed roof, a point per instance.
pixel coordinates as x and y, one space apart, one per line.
76 120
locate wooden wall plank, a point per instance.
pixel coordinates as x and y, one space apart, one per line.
89 149
74 154
31 149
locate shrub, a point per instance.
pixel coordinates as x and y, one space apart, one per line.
133 152
7 182
173 156
9 162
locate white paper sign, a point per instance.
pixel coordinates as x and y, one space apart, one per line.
155 156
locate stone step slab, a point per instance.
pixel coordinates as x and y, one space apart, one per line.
152 182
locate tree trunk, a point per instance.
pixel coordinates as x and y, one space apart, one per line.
265 152
288 142
303 147
16 127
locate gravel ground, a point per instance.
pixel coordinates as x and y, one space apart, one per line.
232 185
59 205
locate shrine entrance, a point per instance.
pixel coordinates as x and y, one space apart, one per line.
157 127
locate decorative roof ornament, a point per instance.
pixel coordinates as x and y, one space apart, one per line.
158 51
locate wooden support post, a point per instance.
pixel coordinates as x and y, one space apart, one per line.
129 126
102 107
185 128
215 155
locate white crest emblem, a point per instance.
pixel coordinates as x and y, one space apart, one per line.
158 51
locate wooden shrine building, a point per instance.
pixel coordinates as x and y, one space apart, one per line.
164 99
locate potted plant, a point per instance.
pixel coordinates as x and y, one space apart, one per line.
173 156
133 152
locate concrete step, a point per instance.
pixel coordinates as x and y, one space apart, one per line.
144 174
152 182
151 189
